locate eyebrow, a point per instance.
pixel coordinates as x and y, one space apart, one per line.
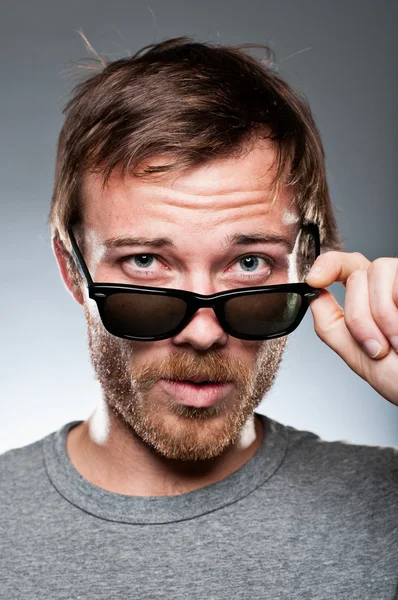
246 239
119 242
238 239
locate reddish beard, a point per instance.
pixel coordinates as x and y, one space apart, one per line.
171 429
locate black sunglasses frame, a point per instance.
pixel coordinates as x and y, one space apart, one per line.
101 291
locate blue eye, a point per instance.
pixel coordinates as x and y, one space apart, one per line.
142 260
249 263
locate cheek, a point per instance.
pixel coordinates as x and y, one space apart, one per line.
246 351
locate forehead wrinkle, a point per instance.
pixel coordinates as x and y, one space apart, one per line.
133 192
240 206
210 203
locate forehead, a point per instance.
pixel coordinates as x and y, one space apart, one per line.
223 193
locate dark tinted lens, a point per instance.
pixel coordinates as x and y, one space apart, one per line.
263 313
142 315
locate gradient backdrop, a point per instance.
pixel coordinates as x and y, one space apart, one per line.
341 55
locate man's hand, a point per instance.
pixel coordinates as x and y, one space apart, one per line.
370 315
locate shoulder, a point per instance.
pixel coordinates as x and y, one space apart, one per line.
23 475
21 464
341 465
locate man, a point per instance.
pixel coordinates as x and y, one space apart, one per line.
190 179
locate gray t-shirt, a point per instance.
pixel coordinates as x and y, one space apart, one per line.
304 518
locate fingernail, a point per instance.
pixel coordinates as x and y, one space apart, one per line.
372 348
394 342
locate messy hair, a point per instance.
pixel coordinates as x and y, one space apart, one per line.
193 102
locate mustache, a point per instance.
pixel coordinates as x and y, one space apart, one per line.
184 365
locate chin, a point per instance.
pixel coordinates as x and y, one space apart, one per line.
186 433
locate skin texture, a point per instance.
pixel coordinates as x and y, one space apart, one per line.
140 440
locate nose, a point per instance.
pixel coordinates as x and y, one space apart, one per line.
202 332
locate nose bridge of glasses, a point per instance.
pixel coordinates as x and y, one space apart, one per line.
198 302
216 301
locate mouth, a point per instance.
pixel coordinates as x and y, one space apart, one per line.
198 392
197 382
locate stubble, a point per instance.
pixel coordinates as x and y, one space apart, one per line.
169 428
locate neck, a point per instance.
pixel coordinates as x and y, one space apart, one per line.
124 464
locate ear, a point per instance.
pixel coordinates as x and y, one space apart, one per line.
64 261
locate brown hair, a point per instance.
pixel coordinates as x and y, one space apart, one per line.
194 102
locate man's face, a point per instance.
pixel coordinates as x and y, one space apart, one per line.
198 211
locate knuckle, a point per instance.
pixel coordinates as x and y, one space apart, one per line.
377 262
356 321
322 329
382 314
360 259
325 257
357 274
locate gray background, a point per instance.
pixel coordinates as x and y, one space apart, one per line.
342 55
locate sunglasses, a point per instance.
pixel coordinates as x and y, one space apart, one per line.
150 314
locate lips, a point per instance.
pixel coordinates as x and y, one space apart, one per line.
197 381
198 392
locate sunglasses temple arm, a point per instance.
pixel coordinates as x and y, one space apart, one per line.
79 260
314 231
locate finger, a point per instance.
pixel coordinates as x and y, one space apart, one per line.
335 266
382 276
359 319
331 328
